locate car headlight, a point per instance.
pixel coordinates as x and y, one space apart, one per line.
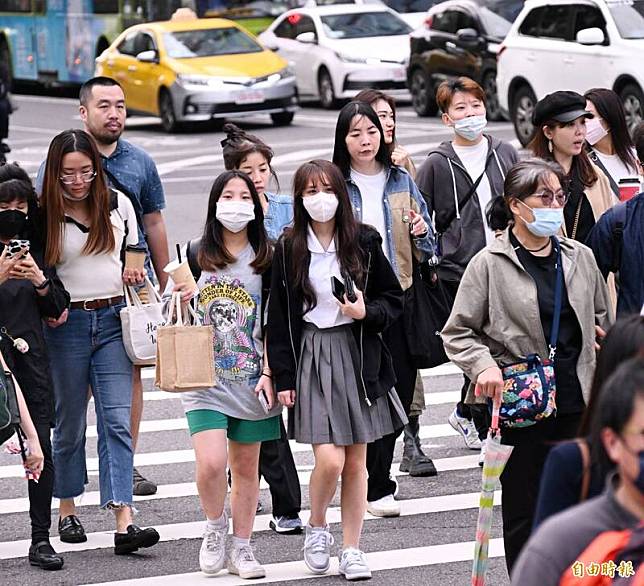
351 58
198 80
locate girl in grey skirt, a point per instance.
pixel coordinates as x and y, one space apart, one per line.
329 363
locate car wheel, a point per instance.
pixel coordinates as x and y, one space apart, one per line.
325 90
282 118
492 107
421 94
522 108
633 101
166 110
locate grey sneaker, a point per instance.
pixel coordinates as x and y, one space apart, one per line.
466 428
353 565
213 549
243 563
141 486
286 525
317 549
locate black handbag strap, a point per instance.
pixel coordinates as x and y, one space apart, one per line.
556 316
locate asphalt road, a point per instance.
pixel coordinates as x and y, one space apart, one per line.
430 544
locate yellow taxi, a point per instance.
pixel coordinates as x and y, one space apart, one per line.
194 69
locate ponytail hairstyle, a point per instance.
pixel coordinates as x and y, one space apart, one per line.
238 144
350 257
522 180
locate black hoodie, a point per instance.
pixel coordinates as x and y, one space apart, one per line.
444 181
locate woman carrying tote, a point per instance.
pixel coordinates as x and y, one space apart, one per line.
329 363
384 196
231 265
506 309
87 225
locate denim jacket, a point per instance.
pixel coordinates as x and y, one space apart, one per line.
400 195
279 214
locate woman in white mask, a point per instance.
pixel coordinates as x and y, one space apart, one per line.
333 292
230 264
506 310
609 142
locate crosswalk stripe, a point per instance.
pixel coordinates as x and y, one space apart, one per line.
194 530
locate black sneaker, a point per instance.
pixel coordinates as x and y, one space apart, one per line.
4 147
42 555
142 486
134 538
70 530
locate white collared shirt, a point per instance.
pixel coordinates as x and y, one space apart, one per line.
324 265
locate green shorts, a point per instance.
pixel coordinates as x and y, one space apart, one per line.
238 430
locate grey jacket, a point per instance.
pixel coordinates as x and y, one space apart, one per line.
444 182
495 319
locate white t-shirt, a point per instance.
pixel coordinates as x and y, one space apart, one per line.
372 189
615 167
324 265
96 276
473 158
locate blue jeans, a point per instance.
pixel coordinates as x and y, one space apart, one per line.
88 351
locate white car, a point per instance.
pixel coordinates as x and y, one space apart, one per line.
572 45
337 51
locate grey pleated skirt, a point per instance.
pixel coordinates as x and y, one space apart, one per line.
330 405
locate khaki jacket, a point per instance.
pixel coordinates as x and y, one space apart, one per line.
495 319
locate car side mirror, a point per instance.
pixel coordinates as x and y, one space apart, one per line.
468 37
591 36
150 56
308 38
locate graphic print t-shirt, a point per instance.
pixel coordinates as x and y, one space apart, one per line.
230 301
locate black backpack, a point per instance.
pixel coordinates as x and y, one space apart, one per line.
617 233
9 410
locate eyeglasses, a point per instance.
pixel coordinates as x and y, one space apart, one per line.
547 197
87 177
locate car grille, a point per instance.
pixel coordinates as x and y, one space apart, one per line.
231 108
376 85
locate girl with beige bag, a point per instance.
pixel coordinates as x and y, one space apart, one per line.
228 421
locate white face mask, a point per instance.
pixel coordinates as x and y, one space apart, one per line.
594 131
321 206
470 128
235 215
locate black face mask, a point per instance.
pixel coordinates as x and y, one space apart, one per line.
12 223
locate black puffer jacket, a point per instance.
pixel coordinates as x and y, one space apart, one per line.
383 301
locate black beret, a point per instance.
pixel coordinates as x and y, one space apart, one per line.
561 106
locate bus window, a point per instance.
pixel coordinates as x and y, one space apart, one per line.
15 5
106 6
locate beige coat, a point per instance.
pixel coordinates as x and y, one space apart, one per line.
495 319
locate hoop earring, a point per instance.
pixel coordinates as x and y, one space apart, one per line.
550 146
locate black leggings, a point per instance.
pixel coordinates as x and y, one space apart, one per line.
40 492
5 109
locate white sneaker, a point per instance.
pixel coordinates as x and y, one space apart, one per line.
213 549
466 428
353 565
384 507
482 454
317 549
243 563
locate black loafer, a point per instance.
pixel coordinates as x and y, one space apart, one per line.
42 554
70 530
134 539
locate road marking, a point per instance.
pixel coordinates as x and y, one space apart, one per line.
290 572
194 530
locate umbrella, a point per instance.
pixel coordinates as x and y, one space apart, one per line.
496 456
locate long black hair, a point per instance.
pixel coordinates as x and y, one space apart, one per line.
609 107
212 252
341 156
347 247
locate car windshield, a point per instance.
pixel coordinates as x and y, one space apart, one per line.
629 18
209 42
495 25
404 6
357 25
506 9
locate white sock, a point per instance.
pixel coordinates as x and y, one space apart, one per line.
240 541
220 523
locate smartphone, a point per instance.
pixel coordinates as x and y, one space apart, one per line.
263 401
18 248
338 289
351 290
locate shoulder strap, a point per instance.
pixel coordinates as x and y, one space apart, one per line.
585 475
554 332
192 252
617 233
592 155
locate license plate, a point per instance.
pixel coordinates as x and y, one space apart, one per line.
400 74
250 97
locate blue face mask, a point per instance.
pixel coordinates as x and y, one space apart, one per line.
547 221
470 128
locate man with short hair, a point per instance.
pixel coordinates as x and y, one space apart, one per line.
130 170
617 240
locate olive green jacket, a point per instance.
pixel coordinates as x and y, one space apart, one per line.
495 319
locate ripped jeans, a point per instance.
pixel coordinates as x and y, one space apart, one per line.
87 351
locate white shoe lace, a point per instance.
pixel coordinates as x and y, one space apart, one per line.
318 541
245 554
213 540
352 557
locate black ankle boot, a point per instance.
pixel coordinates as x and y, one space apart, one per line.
42 554
414 460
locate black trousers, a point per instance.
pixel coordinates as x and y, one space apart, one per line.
40 493
522 474
277 466
380 454
5 110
